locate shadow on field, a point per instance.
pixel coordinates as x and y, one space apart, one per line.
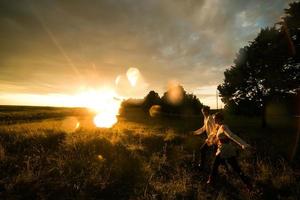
55 165
20 143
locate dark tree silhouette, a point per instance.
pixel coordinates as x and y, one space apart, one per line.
290 26
175 103
184 104
151 99
266 69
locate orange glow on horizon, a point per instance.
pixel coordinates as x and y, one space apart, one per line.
104 103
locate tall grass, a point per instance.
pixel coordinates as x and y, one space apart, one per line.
139 159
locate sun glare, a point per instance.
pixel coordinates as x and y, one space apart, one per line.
104 103
105 120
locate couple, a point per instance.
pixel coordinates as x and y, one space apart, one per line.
218 134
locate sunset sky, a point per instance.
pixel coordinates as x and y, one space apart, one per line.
51 51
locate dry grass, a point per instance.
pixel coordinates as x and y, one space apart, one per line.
56 159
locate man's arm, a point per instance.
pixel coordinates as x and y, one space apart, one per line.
199 131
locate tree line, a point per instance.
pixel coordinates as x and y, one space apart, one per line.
267 70
174 103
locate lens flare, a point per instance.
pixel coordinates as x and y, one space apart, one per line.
133 74
117 81
155 110
175 92
100 157
70 124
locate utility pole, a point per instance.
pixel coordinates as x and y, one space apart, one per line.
217 100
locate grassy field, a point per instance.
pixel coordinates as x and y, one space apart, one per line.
57 153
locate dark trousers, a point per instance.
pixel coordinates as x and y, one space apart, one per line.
203 153
234 165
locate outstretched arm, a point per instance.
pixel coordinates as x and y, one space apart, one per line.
199 131
234 137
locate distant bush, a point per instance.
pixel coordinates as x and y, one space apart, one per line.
175 103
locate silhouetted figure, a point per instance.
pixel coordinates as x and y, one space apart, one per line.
226 151
209 128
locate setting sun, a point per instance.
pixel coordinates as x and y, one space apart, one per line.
103 102
105 120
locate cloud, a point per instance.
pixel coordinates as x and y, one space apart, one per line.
74 44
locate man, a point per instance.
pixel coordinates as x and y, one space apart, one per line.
209 128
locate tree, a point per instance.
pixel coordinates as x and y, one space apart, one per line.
266 69
290 25
174 103
177 103
152 98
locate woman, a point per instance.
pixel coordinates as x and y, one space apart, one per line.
226 150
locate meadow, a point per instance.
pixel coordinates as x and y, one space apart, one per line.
58 153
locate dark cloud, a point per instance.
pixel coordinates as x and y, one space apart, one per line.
64 44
